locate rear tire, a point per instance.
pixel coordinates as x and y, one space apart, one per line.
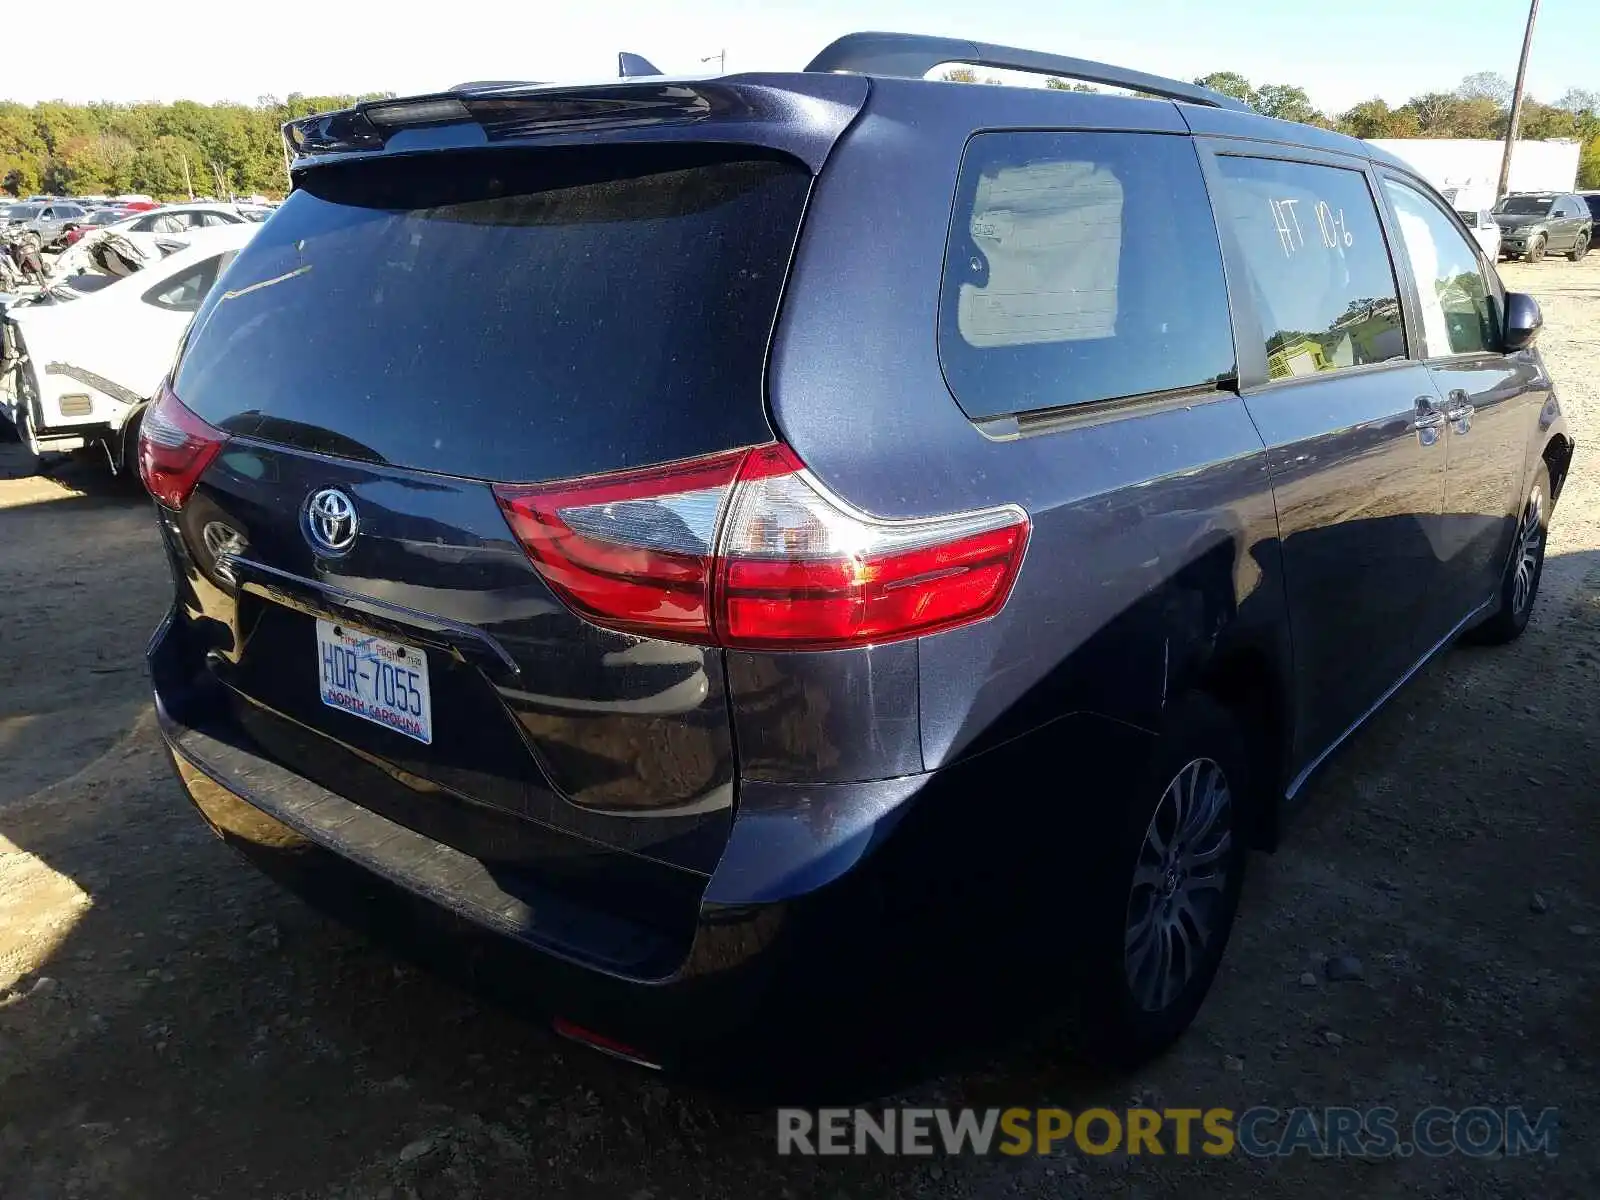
1165 904
1579 249
1520 586
1535 251
128 468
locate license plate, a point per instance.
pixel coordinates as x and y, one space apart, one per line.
382 681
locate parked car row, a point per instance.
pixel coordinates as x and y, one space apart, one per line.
61 222
594 529
82 354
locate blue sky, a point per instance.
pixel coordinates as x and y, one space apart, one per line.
1340 52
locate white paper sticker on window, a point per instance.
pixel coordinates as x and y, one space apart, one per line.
1051 233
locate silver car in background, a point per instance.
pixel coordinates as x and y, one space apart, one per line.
47 220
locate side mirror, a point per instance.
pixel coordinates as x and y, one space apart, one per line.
1523 321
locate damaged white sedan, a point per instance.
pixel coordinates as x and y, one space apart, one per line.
80 360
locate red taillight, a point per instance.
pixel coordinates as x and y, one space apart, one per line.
746 549
633 550
175 448
599 1041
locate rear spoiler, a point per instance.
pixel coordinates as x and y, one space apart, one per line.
748 109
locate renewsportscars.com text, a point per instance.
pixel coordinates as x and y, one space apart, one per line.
1260 1132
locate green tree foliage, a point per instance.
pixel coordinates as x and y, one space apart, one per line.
1589 165
1286 102
1486 85
1230 83
109 149
237 149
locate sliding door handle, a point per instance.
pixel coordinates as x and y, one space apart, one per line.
1459 414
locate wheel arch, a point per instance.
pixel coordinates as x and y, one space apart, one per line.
1233 647
1244 680
1557 455
125 438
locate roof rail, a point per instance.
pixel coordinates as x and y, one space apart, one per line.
912 56
479 84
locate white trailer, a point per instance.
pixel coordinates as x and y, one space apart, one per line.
1467 171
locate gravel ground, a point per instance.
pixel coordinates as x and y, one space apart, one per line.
173 1025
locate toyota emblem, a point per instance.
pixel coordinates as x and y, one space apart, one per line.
330 523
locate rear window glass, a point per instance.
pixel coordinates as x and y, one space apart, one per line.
1081 267
1526 206
507 315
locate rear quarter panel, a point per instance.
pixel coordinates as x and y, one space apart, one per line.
1154 535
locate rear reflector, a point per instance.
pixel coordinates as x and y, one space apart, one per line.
175 448
747 549
599 1041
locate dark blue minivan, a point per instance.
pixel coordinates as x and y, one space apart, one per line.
679 530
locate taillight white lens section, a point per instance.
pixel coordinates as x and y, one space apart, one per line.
175 448
799 569
747 549
633 550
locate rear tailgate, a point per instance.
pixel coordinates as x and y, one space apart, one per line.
410 329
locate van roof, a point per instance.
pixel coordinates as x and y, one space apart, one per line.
526 111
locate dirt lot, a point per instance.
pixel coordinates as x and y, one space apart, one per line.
172 1025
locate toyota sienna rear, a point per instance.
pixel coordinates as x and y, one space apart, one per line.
680 530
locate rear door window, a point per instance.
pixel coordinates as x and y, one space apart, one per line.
1081 267
185 291
1318 264
508 315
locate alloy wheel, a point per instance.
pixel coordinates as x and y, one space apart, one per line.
1530 551
1180 884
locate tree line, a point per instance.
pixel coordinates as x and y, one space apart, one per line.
1479 108
172 151
169 151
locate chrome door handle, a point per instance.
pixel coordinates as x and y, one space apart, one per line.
1426 421
1459 414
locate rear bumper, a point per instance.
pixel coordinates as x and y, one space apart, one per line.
424 903
834 910
766 923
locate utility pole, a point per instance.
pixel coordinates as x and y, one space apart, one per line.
722 61
1516 103
188 184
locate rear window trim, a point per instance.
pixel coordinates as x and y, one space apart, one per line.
1057 417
